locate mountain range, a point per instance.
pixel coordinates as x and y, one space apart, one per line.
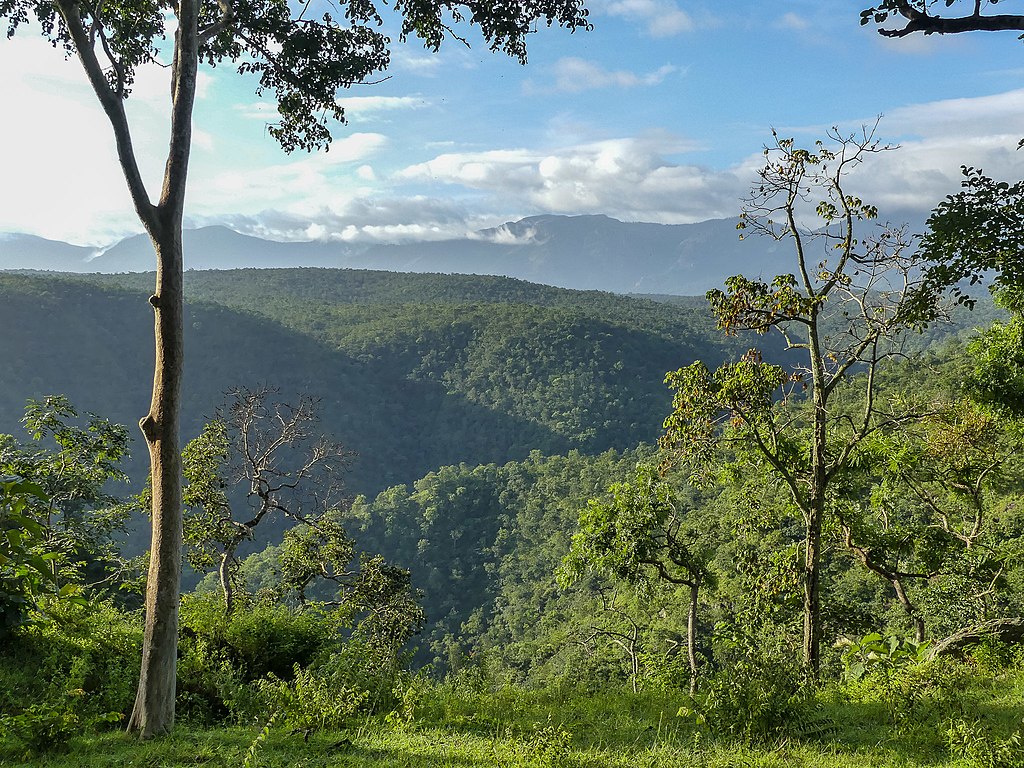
580 252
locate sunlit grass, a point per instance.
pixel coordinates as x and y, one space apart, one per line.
514 728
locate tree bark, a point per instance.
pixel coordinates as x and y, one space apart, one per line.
909 609
812 589
225 582
691 633
153 713
815 505
1009 630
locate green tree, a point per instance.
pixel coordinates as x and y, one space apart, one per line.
75 462
642 531
924 519
976 238
26 565
269 451
865 281
303 61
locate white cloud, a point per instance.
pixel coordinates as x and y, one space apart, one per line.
661 18
793 21
628 178
934 140
574 75
294 182
1001 113
366 219
361 107
505 235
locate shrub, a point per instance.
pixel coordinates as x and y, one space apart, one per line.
976 745
93 648
758 692
221 655
914 691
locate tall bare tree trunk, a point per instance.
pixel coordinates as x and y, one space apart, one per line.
691 633
812 588
154 703
815 504
153 714
226 584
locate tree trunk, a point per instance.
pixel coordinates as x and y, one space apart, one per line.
225 583
691 634
1009 630
153 713
812 556
911 611
815 510
812 592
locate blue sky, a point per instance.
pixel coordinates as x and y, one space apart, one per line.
658 114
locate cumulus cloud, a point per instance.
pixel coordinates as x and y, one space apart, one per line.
629 178
310 177
365 219
574 75
660 18
363 107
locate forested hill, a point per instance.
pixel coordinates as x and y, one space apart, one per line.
413 371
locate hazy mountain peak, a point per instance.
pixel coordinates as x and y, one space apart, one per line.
590 252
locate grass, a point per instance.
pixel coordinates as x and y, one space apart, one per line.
514 728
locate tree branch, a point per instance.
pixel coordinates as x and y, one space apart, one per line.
113 106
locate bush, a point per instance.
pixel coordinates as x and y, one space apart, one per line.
262 638
758 692
67 674
269 658
914 691
221 655
977 746
93 648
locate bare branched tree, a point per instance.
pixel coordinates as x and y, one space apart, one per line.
271 450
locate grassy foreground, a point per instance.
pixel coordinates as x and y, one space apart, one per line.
513 728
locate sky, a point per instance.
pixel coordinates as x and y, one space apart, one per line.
658 114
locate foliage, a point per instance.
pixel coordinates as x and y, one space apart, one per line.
975 236
491 368
997 380
75 466
912 690
980 748
919 16
25 565
309 701
758 692
640 527
312 665
68 673
874 652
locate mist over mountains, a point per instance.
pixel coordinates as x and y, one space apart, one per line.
581 252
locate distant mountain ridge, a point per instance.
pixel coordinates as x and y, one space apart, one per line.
580 252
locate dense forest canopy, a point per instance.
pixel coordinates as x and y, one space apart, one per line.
504 517
490 368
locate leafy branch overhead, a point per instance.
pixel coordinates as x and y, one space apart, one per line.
921 16
301 56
